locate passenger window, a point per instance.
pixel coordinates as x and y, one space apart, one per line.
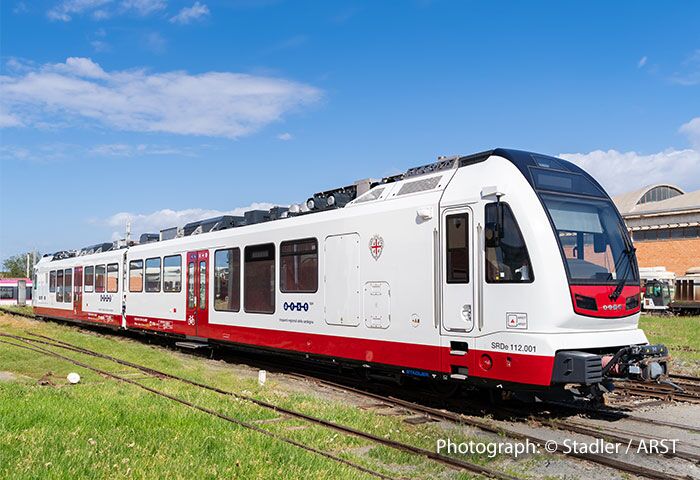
99 278
68 285
172 273
59 286
113 278
509 262
136 276
227 278
89 279
259 279
191 299
203 285
52 281
299 266
457 248
153 274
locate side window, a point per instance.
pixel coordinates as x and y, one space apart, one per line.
299 266
68 285
153 274
136 276
7 293
259 279
99 278
509 262
59 286
113 278
172 273
457 248
191 299
52 281
89 279
227 280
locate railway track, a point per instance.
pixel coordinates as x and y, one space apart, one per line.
446 460
610 434
433 413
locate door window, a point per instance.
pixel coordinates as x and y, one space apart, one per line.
203 285
457 248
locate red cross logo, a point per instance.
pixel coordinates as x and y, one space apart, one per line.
376 245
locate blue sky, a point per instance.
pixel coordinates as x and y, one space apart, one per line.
162 111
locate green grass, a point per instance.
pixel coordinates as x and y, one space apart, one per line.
680 334
102 428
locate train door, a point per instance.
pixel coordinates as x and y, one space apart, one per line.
78 292
457 271
197 312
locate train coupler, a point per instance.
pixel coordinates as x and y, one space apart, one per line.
646 363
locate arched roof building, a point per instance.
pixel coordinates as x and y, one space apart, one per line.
664 222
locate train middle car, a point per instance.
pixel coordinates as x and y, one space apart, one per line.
504 269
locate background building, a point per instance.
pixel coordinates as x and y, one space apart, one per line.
665 225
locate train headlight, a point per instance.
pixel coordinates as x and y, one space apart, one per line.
485 362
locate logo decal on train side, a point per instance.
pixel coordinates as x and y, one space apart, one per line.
376 246
298 306
105 298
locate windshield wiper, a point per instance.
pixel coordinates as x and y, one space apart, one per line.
629 252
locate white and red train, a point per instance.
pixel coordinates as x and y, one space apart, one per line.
15 291
502 269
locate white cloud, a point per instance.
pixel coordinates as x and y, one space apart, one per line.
692 130
642 62
127 150
144 7
189 14
286 136
9 120
166 218
620 172
102 9
220 104
64 9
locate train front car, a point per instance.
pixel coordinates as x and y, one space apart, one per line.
559 298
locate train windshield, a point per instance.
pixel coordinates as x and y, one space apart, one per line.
592 239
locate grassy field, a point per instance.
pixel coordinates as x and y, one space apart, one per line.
680 334
102 428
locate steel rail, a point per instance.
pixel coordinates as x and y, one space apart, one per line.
431 412
452 462
202 409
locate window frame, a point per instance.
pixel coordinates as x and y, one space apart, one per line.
465 217
68 292
179 257
131 268
107 278
271 247
297 254
59 288
239 280
160 275
527 252
91 285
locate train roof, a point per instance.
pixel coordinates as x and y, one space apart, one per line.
421 179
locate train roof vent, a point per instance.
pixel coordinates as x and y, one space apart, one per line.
63 254
252 217
443 163
149 237
212 224
97 248
170 233
372 195
419 185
